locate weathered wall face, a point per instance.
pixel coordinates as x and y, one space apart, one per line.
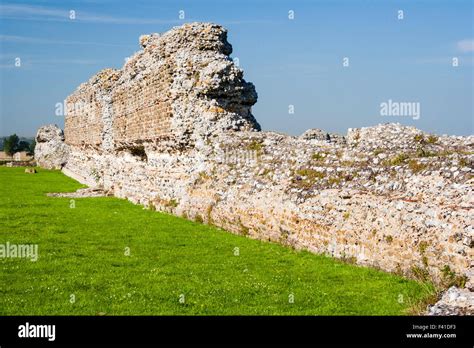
141 100
181 87
143 111
86 109
86 126
51 152
173 130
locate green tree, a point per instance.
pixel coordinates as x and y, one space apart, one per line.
23 146
31 149
10 146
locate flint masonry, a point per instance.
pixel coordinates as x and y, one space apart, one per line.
160 131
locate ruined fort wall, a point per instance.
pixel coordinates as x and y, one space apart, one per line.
417 226
173 130
142 110
84 126
399 231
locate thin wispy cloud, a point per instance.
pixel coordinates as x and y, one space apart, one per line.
7 61
466 45
446 61
4 56
29 12
64 61
36 40
40 13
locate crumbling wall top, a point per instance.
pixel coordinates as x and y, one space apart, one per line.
182 86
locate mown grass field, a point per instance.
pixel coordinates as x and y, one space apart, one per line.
82 253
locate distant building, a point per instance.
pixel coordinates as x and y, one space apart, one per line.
17 156
5 157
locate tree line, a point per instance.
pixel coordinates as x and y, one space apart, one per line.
13 144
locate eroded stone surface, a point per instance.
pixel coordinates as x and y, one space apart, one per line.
51 152
454 301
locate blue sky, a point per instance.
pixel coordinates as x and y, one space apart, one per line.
295 62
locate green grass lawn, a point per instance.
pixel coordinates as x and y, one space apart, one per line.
82 253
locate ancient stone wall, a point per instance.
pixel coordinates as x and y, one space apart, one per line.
86 109
173 130
142 108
